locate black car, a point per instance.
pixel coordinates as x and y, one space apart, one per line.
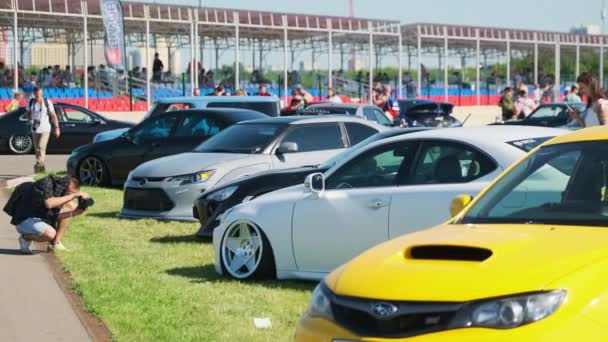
211 204
426 113
551 115
78 127
109 162
369 112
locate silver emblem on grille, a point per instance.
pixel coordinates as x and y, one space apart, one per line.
383 310
143 181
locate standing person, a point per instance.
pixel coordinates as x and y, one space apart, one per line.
196 92
308 99
573 96
524 105
42 211
29 88
157 68
332 96
597 105
506 104
40 114
263 91
537 94
15 102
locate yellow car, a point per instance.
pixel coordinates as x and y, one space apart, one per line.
525 261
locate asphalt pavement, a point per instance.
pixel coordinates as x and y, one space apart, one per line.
34 308
14 166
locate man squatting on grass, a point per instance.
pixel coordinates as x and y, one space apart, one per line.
42 211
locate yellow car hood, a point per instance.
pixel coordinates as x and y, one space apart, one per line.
523 258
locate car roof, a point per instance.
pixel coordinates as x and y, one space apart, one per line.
270 99
587 134
484 135
230 114
311 119
338 105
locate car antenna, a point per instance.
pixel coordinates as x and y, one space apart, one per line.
465 120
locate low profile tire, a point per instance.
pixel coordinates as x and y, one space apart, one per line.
92 172
21 144
246 253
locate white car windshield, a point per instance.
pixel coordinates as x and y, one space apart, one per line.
563 184
242 138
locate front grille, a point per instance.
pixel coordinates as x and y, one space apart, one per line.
147 199
148 179
405 323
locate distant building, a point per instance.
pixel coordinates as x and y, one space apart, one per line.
586 29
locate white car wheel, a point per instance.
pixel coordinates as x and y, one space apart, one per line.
245 252
20 144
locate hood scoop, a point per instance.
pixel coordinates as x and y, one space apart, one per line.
453 253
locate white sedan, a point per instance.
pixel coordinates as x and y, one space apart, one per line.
392 187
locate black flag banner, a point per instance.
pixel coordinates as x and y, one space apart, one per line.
114 37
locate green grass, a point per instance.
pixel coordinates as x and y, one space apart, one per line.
151 281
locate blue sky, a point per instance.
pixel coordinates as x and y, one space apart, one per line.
554 15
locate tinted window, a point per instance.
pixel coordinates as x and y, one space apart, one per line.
155 128
376 115
447 162
358 132
244 138
75 115
547 112
386 165
268 108
198 125
326 110
316 137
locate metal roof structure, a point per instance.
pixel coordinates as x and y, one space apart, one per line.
80 20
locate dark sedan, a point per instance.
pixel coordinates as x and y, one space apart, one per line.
426 113
210 205
552 115
78 127
109 162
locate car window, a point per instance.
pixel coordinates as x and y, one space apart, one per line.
386 165
547 112
317 137
376 115
198 125
358 132
76 116
242 138
444 162
156 128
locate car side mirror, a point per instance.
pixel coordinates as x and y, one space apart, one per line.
128 137
287 147
459 203
98 122
315 183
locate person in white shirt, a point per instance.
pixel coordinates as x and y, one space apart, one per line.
332 97
537 94
573 95
40 114
597 104
524 106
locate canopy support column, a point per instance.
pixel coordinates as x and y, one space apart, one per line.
285 84
330 54
148 71
445 65
15 46
237 48
477 67
85 34
371 62
400 66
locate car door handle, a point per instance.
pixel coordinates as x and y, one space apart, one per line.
69 125
377 204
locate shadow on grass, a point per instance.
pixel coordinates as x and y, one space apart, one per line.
180 239
206 273
109 214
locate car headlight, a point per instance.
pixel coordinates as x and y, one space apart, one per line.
509 312
320 304
222 194
195 178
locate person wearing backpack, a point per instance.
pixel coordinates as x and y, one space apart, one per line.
40 114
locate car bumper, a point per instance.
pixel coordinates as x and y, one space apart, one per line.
550 329
160 200
207 212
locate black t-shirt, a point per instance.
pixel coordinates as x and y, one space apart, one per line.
33 195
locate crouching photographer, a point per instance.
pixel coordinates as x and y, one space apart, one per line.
42 210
